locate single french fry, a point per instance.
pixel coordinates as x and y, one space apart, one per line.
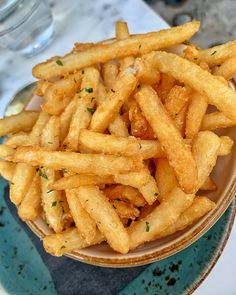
141 180
68 241
110 71
208 185
122 33
6 151
21 180
60 93
18 139
41 87
30 206
178 154
115 145
125 193
225 146
180 120
118 127
146 73
200 207
217 92
38 127
195 114
216 120
50 137
51 200
165 178
205 151
176 99
107 111
77 180
65 118
135 45
84 223
227 69
97 205
7 170
23 121
218 54
124 209
75 162
85 108
191 53
139 125
164 87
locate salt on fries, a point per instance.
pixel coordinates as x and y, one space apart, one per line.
124 140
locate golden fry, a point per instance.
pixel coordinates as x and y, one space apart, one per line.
216 120
7 170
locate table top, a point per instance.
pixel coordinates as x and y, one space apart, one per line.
87 21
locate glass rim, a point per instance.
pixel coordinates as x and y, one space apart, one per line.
24 19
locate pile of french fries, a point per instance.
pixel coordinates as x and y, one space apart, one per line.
123 142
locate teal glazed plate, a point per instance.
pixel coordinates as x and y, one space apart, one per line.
26 269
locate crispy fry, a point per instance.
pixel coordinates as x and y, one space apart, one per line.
30 206
110 72
227 69
6 151
41 87
84 223
225 146
135 45
7 170
21 180
68 241
107 111
202 81
101 93
141 180
85 107
195 114
205 150
18 139
146 73
126 193
118 127
218 54
39 125
178 154
164 87
77 180
23 121
180 120
208 185
79 163
199 207
139 125
51 134
165 178
216 120
106 218
119 145
124 209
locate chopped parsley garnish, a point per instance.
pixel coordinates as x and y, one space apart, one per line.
64 170
89 90
213 52
51 190
50 142
42 173
147 226
54 203
59 62
91 110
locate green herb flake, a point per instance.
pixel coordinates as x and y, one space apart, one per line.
49 142
51 190
91 110
54 203
42 173
213 52
89 89
59 62
64 170
147 226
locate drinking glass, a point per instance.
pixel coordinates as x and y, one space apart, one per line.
26 26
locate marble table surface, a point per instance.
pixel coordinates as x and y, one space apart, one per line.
87 21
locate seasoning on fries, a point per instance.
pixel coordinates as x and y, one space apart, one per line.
123 142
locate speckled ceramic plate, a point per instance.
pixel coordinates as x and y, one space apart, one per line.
26 269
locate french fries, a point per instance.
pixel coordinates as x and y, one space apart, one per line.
105 216
194 76
135 45
80 163
23 121
122 143
177 152
120 146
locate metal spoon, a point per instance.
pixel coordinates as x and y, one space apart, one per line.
20 100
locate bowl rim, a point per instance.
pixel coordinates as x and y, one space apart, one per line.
212 217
